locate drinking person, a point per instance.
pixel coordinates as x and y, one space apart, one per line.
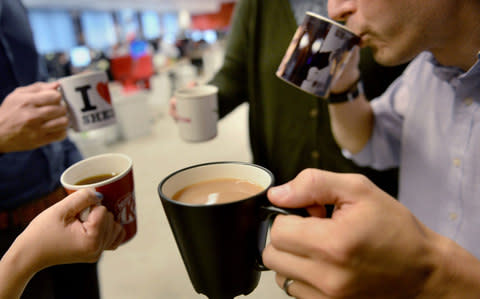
289 129
425 123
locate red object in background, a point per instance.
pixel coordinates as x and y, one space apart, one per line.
132 73
121 68
218 20
143 70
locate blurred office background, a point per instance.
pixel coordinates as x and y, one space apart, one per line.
149 48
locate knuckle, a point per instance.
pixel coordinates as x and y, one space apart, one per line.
360 183
336 284
277 228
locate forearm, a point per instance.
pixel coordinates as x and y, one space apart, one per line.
352 123
17 267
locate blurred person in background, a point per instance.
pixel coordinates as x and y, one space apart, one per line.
289 129
34 151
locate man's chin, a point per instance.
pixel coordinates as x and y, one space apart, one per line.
387 58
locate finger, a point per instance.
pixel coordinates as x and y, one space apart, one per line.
76 202
54 136
38 86
47 112
299 289
44 114
99 215
119 235
108 227
100 225
46 97
56 125
317 273
317 187
302 236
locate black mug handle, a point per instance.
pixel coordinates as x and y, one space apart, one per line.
267 215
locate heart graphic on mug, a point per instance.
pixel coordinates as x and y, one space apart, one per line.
102 89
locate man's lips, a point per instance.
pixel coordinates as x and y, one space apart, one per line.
364 39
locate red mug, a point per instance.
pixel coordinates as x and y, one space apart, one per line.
111 175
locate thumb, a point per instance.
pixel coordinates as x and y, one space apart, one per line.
76 202
313 187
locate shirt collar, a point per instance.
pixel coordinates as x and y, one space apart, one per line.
448 73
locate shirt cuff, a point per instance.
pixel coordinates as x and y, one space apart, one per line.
362 158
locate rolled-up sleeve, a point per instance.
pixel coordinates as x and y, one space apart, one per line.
382 151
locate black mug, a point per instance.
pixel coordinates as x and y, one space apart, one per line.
221 244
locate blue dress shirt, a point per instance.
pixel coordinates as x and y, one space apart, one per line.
25 175
428 124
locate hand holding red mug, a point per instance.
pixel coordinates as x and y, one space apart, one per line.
57 236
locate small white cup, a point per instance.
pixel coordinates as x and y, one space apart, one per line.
197 112
88 100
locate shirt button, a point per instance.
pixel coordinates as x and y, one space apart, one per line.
315 155
313 112
457 162
468 101
452 216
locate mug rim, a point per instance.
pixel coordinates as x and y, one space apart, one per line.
101 183
167 198
81 75
208 90
333 22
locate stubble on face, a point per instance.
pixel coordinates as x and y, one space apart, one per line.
392 29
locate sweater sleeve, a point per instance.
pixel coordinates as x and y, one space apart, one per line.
231 79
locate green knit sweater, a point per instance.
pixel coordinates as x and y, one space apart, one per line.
289 129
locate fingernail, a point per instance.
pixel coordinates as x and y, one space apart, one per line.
280 191
99 195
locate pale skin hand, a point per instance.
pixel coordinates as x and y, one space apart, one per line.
351 122
32 116
57 236
372 247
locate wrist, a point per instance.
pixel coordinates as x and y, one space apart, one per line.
456 272
352 93
16 270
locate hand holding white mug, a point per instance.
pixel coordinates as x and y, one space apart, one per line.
32 116
372 247
57 236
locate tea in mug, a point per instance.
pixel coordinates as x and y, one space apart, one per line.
96 179
217 191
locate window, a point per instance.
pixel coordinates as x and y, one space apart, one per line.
53 30
99 29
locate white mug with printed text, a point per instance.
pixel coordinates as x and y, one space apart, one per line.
197 112
88 100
